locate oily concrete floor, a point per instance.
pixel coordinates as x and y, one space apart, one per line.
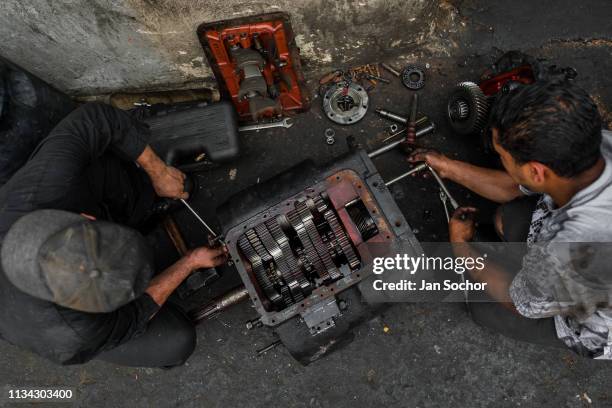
433 355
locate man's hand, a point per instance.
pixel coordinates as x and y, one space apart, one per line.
204 257
435 160
461 227
167 181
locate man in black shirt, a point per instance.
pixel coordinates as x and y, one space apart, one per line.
75 282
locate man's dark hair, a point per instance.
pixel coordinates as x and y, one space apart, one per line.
554 123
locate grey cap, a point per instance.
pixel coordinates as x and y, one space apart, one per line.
62 257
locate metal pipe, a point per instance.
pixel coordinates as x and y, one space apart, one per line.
421 132
219 304
418 168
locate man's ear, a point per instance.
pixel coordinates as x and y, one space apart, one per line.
538 173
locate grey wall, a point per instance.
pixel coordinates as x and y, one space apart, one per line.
88 47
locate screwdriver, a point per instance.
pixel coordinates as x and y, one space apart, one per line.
210 230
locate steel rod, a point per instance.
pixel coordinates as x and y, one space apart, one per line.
418 168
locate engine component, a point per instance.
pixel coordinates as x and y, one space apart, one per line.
413 77
253 86
330 136
345 103
468 109
468 106
256 63
304 254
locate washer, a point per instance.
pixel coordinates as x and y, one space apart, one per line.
330 136
413 77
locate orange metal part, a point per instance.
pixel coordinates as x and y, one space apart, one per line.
220 40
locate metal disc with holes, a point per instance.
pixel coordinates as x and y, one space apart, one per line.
413 77
345 104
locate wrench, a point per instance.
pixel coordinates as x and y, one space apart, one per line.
444 200
285 122
450 198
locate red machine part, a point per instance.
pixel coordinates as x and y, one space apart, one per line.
279 68
522 74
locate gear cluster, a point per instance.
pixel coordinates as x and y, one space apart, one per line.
298 251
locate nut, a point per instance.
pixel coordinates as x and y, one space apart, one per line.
330 136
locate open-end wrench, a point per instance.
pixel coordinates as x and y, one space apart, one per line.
444 200
450 198
285 122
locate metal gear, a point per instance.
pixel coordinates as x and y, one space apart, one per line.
259 271
468 109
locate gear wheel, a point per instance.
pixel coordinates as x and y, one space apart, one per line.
468 109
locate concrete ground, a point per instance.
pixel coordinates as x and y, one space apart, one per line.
433 355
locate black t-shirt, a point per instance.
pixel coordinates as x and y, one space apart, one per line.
55 177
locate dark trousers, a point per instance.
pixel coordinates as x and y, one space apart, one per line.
516 220
169 340
121 192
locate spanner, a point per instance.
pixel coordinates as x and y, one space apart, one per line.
285 122
444 200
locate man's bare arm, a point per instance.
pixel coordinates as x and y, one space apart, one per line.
495 185
167 180
162 286
461 230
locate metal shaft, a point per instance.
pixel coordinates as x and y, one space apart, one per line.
451 200
399 118
269 347
421 132
219 304
195 214
390 69
418 168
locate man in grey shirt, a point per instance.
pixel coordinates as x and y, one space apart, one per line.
556 195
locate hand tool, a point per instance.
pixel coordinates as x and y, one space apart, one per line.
444 197
195 214
411 131
421 132
451 200
444 200
285 123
